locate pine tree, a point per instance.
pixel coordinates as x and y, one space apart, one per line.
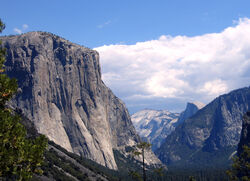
241 166
143 146
20 157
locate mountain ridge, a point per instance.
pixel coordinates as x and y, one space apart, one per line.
214 130
61 90
156 125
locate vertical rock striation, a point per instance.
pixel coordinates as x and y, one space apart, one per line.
191 109
245 133
156 125
62 92
211 135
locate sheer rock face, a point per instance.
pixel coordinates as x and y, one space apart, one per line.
62 92
245 133
214 128
156 125
191 109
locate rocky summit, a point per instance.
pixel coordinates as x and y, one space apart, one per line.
61 91
156 125
191 109
210 136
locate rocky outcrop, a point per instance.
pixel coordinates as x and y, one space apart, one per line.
211 135
191 109
55 159
61 91
245 133
154 125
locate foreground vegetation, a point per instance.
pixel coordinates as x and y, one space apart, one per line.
241 167
60 167
20 156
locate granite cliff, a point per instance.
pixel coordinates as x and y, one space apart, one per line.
156 125
210 136
191 109
61 91
245 133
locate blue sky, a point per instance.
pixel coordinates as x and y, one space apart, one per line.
154 54
97 22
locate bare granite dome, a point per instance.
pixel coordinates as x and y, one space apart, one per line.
211 135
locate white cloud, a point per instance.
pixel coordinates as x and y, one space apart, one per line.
18 31
189 68
214 87
21 30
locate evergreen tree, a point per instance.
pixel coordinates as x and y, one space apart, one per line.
135 175
143 146
159 172
191 178
241 166
20 157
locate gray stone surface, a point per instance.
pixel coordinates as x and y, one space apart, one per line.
191 109
245 133
215 127
61 91
156 125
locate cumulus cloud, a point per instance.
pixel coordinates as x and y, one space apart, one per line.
18 31
21 30
179 68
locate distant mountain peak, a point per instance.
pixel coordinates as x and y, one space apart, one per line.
191 109
198 104
156 125
210 136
